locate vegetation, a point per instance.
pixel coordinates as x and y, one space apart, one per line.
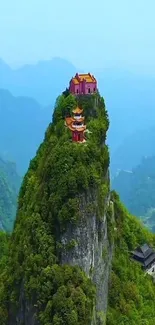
137 190
4 244
49 197
132 293
9 187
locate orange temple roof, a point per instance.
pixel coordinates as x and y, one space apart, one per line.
69 120
76 82
88 77
77 110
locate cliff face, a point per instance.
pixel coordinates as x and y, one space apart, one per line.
88 246
61 248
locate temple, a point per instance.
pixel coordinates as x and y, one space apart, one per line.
83 84
76 125
146 257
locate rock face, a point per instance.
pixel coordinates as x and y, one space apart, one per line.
87 245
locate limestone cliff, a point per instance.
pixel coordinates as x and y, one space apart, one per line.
61 247
87 245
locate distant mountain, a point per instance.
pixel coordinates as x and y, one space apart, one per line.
130 100
133 148
137 190
43 81
22 125
9 187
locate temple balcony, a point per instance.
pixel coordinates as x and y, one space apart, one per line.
77 117
77 126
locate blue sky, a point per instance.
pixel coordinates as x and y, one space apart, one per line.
88 33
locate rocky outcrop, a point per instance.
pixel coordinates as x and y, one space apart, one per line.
87 245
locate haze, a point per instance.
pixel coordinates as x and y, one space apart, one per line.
90 34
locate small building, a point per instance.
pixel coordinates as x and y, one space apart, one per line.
76 125
145 255
83 84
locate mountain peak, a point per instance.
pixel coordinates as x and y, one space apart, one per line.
4 65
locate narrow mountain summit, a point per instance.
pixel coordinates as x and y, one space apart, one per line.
61 227
61 250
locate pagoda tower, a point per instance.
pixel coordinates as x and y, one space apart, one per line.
76 125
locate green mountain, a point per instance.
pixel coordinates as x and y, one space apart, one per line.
137 190
9 187
72 236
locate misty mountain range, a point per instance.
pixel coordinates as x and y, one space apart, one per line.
138 145
137 190
43 81
23 122
27 98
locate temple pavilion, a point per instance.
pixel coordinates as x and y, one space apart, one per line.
145 255
76 124
83 84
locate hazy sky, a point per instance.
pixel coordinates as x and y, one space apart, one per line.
88 33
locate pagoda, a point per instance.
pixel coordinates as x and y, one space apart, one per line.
76 125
